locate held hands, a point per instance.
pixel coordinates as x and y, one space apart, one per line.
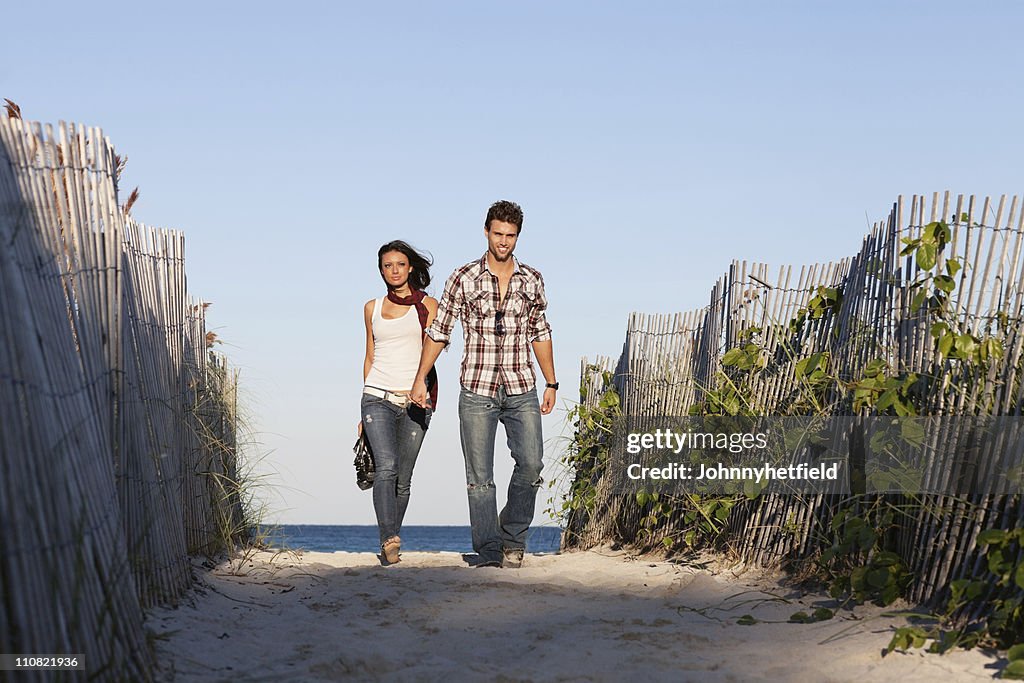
418 395
548 403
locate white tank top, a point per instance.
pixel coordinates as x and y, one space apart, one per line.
396 349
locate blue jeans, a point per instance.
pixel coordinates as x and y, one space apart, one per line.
478 423
395 435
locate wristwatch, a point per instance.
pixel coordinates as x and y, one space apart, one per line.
552 385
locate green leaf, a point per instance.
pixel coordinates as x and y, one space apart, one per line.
885 400
732 405
937 231
667 542
838 520
1018 577
899 641
953 266
903 408
867 384
733 357
746 620
945 283
866 537
992 348
939 329
945 344
943 233
888 596
990 536
800 618
1014 671
875 367
911 245
878 578
995 562
965 346
1016 652
926 254
823 614
912 431
886 558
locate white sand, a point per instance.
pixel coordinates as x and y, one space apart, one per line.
599 615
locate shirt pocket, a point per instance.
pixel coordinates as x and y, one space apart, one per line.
521 303
478 304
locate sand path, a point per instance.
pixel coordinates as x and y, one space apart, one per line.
591 616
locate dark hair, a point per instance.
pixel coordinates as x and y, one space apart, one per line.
419 278
506 212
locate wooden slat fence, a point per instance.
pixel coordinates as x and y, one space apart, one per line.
670 361
116 421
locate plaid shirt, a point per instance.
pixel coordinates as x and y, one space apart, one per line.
497 351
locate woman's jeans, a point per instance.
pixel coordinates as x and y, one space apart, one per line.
478 423
395 434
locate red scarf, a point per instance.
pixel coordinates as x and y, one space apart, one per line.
416 299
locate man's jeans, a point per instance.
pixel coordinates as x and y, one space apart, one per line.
478 423
395 434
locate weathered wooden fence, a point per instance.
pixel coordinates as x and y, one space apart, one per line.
117 451
669 363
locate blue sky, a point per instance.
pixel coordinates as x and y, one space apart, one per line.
650 144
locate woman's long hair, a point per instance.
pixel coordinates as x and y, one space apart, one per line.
419 278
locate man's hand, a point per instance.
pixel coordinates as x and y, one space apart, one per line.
359 428
418 395
548 404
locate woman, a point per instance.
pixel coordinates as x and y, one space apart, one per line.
394 426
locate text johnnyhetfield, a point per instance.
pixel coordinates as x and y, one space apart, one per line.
717 472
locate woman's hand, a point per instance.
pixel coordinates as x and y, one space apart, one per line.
418 395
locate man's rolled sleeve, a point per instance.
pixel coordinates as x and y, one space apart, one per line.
540 329
448 310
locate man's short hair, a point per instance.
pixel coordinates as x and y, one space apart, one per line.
506 212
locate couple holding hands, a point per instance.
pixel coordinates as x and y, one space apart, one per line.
501 305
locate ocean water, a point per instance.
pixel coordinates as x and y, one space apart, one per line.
363 538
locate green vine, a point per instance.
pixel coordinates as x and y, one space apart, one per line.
858 567
1000 592
859 561
586 456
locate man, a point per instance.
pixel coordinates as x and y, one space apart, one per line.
501 304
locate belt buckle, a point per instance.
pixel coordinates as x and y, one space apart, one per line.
402 399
